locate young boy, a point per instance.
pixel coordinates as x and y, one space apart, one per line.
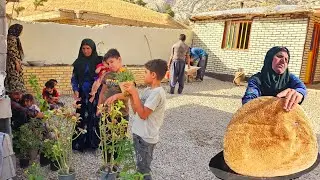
51 95
101 70
148 114
110 91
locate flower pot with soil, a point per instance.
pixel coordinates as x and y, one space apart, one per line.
124 77
24 162
54 166
63 122
27 141
70 176
44 161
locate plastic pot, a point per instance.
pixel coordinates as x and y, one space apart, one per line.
71 176
109 175
44 161
54 166
24 162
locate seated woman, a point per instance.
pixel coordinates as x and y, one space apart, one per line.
20 114
276 80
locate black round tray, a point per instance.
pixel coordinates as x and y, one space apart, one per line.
222 171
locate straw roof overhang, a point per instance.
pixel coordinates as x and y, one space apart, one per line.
249 13
127 13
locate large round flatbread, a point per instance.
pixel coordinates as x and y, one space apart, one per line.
263 140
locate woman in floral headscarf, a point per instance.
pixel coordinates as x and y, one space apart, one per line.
14 80
276 80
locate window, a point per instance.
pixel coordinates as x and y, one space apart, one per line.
236 35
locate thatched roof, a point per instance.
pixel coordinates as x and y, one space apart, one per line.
252 12
117 9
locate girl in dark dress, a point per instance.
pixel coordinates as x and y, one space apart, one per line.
82 81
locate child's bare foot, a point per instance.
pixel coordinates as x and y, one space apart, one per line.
91 99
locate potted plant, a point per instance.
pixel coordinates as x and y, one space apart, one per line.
27 141
63 122
34 172
123 77
46 154
113 138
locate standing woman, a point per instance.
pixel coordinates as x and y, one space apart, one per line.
82 81
14 80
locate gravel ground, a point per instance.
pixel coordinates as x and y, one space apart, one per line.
193 131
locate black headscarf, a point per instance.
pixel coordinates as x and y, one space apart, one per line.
270 82
15 30
81 62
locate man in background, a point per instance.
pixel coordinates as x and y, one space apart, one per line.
199 57
177 62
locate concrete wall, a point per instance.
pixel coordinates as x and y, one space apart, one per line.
265 33
60 43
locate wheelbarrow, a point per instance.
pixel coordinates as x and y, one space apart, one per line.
222 171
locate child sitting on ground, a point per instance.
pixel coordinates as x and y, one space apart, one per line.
101 70
51 95
27 101
148 108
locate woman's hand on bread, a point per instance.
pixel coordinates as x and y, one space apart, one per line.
292 97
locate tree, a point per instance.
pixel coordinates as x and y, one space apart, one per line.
38 3
168 10
140 3
18 10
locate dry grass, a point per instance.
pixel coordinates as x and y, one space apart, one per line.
115 8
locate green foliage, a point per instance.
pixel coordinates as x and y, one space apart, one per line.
38 3
28 137
34 172
168 10
18 10
62 122
43 104
140 3
116 138
125 76
46 148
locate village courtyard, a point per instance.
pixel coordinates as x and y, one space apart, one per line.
193 132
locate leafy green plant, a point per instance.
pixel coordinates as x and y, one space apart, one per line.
63 122
28 138
19 9
46 148
38 3
124 75
140 3
34 172
43 104
113 136
168 10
